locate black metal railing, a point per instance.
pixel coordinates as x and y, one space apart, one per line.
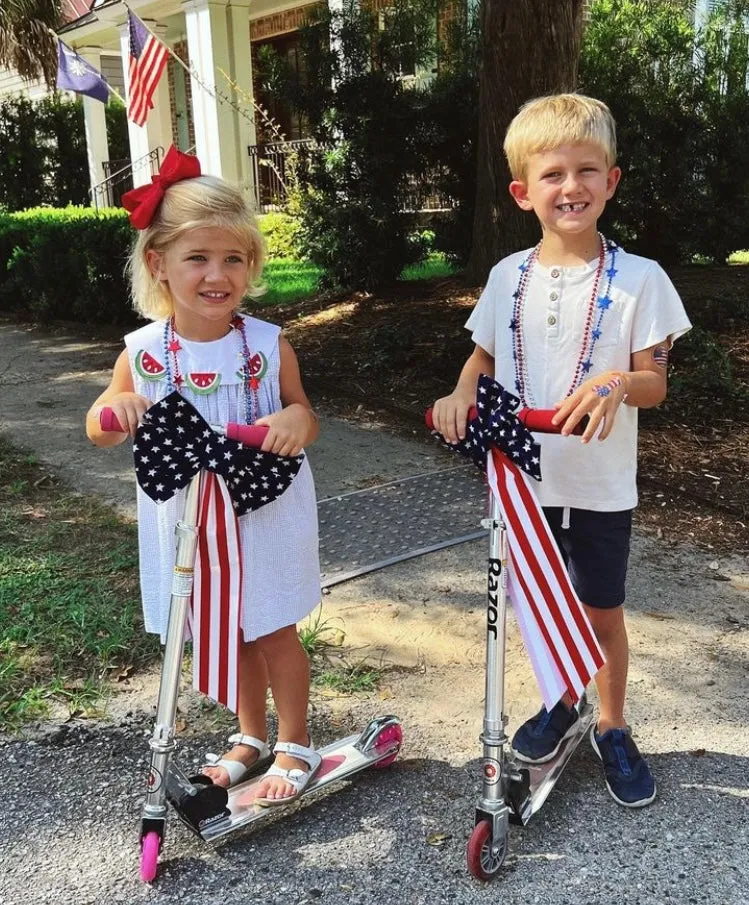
119 178
273 166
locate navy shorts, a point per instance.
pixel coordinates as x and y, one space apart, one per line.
595 549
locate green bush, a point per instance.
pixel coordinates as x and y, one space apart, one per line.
281 234
69 263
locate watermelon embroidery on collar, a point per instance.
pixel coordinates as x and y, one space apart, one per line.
203 383
148 367
258 369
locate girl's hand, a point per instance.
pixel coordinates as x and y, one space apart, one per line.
127 407
288 430
600 398
450 415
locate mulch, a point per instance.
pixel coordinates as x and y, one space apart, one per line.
390 356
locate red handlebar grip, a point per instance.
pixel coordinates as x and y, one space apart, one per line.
536 420
248 434
108 421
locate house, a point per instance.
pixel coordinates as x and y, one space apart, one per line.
196 106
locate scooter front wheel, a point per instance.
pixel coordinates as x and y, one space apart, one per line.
485 854
149 856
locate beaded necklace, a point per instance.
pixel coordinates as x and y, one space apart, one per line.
597 307
175 379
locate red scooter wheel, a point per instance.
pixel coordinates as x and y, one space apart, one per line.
149 856
485 855
389 736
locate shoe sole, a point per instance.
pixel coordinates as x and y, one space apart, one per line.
644 802
547 757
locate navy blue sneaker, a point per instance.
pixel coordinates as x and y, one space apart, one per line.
628 777
539 738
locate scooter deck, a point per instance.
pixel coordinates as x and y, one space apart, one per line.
543 777
341 759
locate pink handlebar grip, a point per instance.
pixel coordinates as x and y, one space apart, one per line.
108 421
248 434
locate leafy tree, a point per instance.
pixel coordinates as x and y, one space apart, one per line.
26 43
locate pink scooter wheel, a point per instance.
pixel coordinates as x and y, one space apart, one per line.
384 740
149 856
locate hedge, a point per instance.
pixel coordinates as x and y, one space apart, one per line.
69 263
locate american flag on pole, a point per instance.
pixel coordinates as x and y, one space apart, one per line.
148 57
556 632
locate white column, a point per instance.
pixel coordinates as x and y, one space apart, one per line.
218 37
95 120
157 131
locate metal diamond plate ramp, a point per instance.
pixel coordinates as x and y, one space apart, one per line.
369 529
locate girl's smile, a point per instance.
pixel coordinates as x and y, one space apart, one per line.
207 273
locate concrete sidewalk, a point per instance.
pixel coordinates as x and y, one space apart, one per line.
423 620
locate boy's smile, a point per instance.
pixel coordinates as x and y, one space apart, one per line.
567 188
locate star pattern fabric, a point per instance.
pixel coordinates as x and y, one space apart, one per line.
174 442
496 424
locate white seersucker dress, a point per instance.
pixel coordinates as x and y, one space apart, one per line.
281 570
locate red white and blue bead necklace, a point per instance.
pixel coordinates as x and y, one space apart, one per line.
597 307
175 379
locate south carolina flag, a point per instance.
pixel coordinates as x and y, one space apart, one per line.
75 74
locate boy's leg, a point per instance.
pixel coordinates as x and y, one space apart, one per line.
252 699
611 681
288 669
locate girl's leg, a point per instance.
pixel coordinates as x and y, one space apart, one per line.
611 681
253 693
288 669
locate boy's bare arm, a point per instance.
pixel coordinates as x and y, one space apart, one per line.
644 386
450 413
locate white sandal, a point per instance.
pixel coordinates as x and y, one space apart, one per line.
235 768
297 778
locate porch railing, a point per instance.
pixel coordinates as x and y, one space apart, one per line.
272 171
119 178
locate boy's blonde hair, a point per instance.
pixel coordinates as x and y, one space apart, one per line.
547 123
198 203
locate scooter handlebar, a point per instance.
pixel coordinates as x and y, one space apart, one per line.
536 420
248 434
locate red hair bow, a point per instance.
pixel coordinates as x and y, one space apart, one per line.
143 202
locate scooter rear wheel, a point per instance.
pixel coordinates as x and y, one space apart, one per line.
485 855
149 856
385 739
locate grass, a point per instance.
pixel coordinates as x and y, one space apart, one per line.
290 280
70 612
69 601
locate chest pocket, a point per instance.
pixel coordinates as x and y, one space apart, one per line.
610 324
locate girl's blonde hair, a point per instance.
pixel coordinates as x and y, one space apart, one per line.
547 123
192 204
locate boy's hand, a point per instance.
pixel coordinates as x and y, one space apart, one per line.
450 415
599 398
128 408
288 430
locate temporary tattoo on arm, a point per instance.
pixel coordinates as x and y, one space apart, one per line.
660 356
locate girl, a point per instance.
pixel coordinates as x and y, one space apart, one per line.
198 253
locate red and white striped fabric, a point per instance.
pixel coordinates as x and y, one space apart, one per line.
148 57
564 651
216 598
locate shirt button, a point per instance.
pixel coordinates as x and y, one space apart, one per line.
553 296
555 273
551 320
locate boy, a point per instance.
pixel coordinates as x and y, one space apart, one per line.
578 325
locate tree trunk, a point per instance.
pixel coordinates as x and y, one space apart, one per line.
529 48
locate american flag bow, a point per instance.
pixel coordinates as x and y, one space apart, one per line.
557 634
173 443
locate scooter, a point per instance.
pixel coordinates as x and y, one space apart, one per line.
511 793
212 811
